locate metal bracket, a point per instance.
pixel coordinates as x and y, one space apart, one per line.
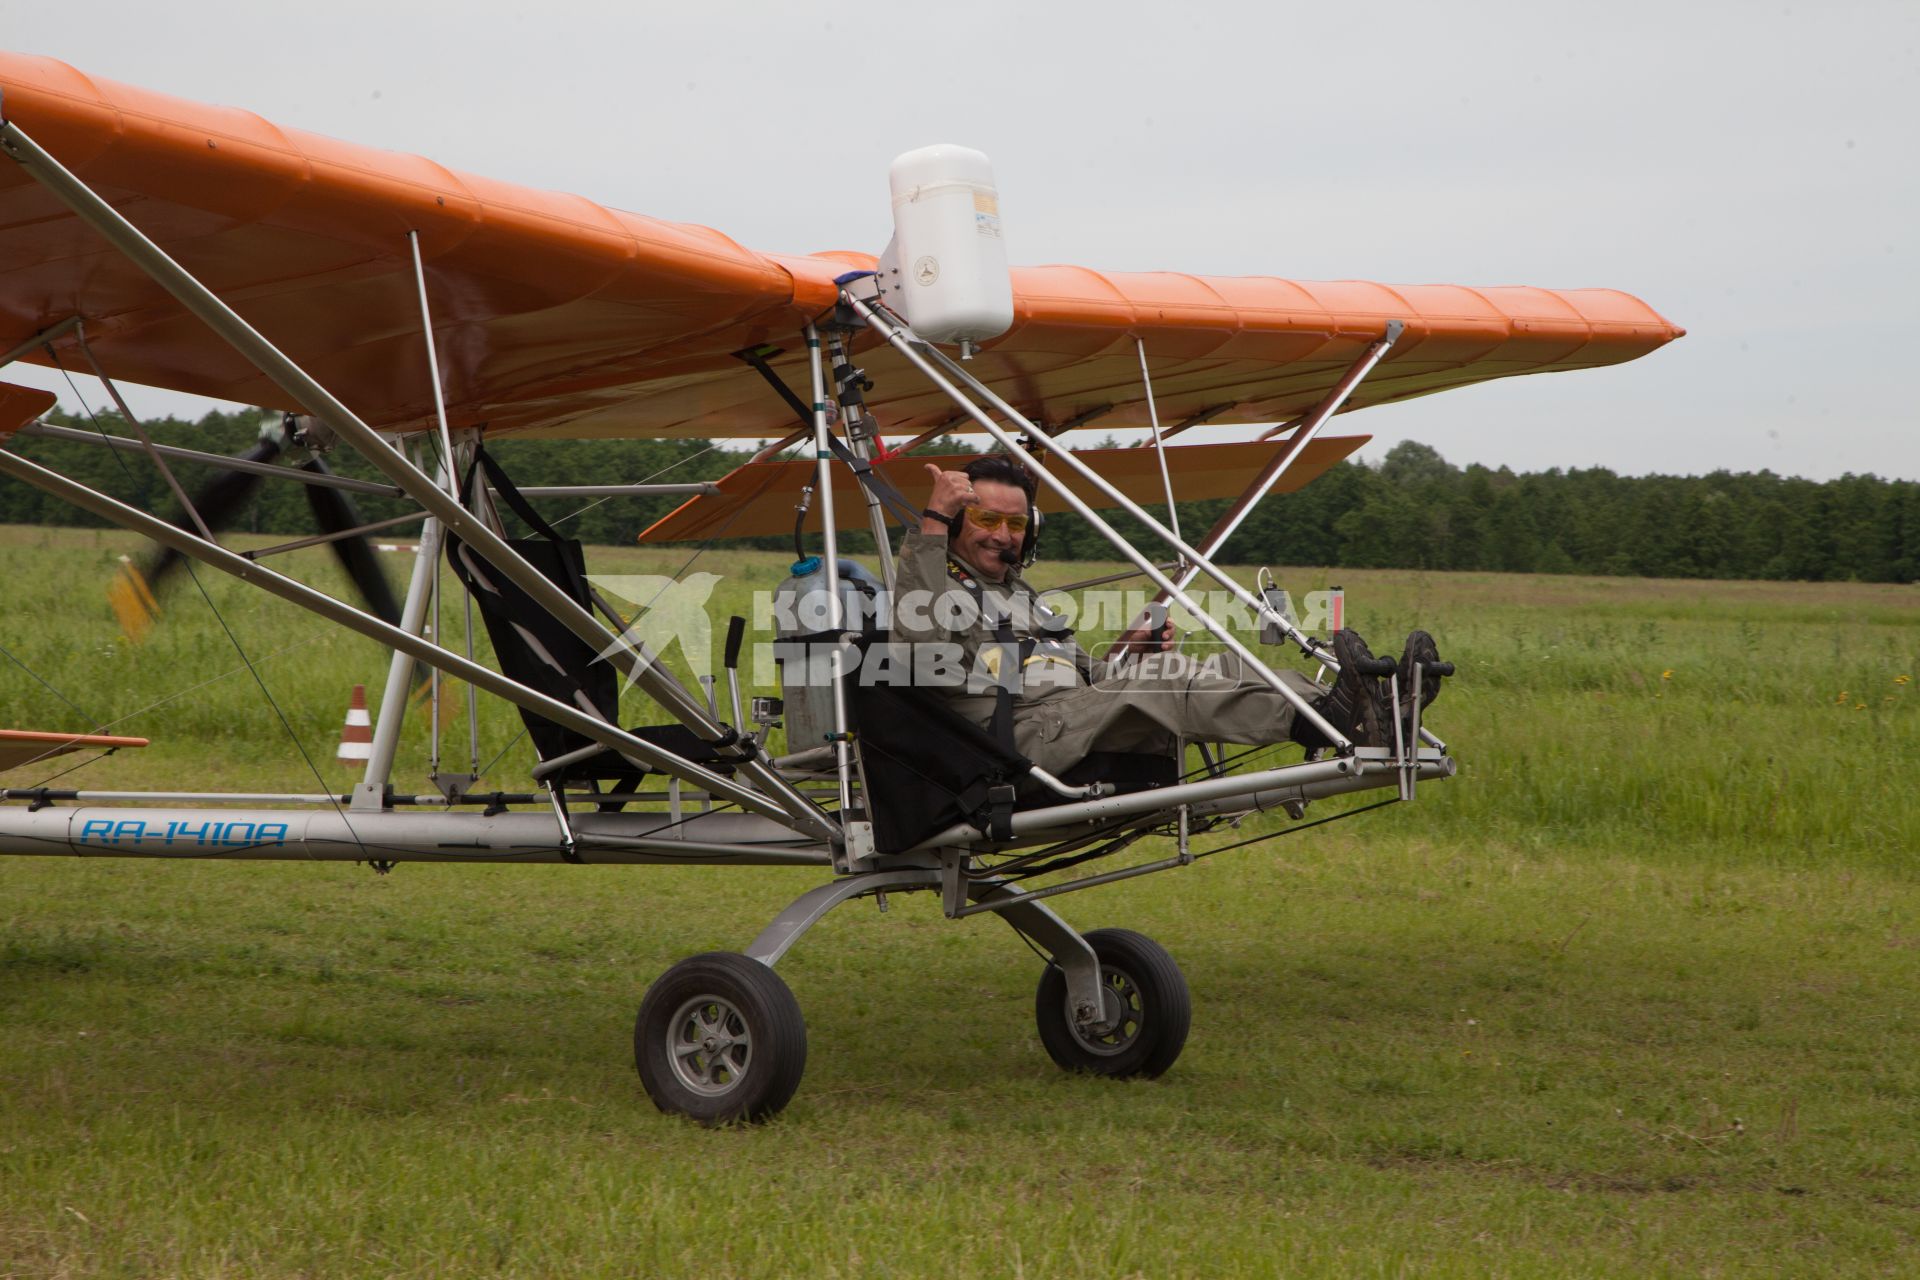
861 849
953 882
569 846
455 786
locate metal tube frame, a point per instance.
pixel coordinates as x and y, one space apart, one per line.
321 539
1429 765
140 430
1159 444
860 442
830 558
1032 821
636 749
1372 768
1197 561
334 835
433 363
273 470
626 657
895 336
689 488
1269 476
1104 579
374 784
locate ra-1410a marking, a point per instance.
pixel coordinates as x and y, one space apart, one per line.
182 832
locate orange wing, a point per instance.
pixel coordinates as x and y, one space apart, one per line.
24 746
21 405
556 316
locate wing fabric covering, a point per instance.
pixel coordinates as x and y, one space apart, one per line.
556 316
21 405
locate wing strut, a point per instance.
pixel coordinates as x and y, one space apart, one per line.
146 441
757 357
1263 483
1159 441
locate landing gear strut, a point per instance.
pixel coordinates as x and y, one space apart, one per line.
720 1038
1146 1013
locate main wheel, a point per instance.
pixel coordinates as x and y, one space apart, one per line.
720 1039
1147 1005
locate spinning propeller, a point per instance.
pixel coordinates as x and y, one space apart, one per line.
135 591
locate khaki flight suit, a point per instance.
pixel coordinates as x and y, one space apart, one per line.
1065 703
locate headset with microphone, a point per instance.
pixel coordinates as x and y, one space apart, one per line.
1001 469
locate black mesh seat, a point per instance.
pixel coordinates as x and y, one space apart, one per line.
537 650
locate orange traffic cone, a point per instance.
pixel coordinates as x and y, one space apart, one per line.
356 735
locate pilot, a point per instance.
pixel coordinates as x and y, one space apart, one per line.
958 583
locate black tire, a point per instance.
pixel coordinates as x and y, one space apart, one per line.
720 1039
1156 1010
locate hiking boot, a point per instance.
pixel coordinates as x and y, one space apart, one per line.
1422 652
1357 703
1421 649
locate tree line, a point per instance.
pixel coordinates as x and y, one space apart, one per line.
1411 510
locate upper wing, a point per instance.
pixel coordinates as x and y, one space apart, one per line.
556 316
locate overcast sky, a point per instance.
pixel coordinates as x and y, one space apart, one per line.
1739 166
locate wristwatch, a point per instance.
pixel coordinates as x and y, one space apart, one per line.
928 513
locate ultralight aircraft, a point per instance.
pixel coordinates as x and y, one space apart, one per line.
385 304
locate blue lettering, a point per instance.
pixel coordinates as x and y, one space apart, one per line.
273 833
100 829
234 839
133 830
183 830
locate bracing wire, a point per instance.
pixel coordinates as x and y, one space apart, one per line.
48 686
192 573
644 480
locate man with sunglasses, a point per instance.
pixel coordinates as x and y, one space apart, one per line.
958 585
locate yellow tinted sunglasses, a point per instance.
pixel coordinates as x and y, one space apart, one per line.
991 520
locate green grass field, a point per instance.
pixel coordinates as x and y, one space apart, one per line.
1632 995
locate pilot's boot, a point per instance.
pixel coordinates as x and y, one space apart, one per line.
1422 650
1356 705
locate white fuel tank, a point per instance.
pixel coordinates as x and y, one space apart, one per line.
946 270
